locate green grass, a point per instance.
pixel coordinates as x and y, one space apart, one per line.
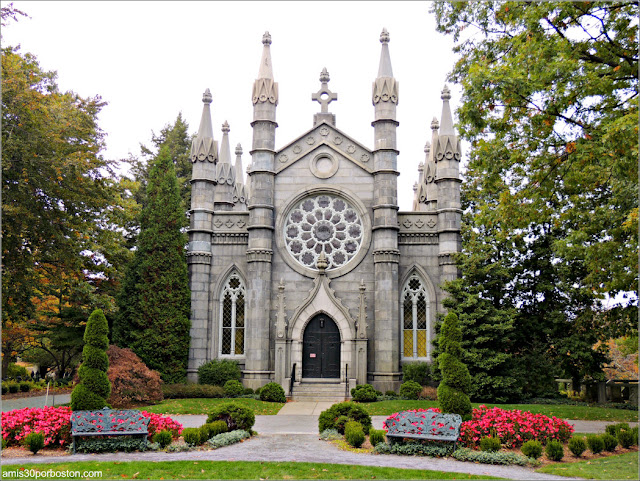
621 466
205 405
241 470
563 411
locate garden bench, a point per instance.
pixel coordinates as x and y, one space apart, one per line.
427 425
108 422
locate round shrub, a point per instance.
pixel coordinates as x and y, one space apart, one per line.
248 391
625 438
34 442
257 391
391 394
376 436
532 449
353 411
164 438
218 371
192 436
25 387
341 422
13 387
453 400
419 372
5 388
354 434
233 388
595 443
577 446
272 392
410 390
614 429
234 415
364 393
554 450
610 442
490 444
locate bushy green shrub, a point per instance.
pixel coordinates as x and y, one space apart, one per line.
272 392
410 390
595 443
354 434
490 444
391 394
247 391
218 371
4 443
610 442
5 388
163 438
233 388
257 391
192 436
225 439
614 429
214 428
485 457
34 442
634 432
376 436
364 393
419 372
577 446
554 450
456 380
14 371
236 416
625 438
25 387
94 387
353 411
184 391
113 444
13 387
532 449
415 448
341 422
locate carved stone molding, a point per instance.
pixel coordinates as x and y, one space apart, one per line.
446 260
405 238
199 258
231 222
386 255
281 322
447 147
265 90
385 89
204 149
417 222
230 239
259 255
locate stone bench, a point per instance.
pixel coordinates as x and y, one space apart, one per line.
427 425
108 422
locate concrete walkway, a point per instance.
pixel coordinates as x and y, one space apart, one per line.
35 402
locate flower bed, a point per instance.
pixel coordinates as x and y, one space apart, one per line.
55 424
512 427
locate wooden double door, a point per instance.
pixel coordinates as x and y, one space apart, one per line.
321 348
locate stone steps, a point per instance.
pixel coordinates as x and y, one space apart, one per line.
319 391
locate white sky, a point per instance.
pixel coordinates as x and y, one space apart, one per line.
152 60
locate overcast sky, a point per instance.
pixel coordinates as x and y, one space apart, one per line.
151 60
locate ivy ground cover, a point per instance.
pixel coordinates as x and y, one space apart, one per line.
55 424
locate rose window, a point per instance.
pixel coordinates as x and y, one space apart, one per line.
323 223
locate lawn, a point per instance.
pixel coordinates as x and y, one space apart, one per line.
621 466
206 405
238 470
562 411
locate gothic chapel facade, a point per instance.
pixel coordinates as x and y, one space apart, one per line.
309 275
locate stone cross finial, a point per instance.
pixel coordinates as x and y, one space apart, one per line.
324 96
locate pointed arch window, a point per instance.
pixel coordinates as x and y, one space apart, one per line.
232 317
415 319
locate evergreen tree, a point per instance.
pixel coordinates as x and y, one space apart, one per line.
154 303
94 387
456 380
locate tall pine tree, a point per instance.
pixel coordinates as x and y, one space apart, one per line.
154 301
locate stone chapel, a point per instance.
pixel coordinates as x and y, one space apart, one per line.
308 274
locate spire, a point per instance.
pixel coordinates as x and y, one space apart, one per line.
203 146
385 70
385 88
224 172
264 88
239 190
238 165
446 126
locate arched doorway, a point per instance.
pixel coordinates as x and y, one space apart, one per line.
321 348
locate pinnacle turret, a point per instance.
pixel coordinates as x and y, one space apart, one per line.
385 87
264 88
203 146
446 125
224 172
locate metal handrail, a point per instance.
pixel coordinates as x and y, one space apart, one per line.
293 379
346 381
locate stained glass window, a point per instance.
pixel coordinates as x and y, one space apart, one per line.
415 320
232 325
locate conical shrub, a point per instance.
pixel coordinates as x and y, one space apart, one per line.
456 380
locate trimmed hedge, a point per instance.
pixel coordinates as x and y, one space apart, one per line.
233 388
272 392
354 434
376 436
577 446
554 450
352 411
532 449
419 372
183 391
364 393
234 415
218 371
410 390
